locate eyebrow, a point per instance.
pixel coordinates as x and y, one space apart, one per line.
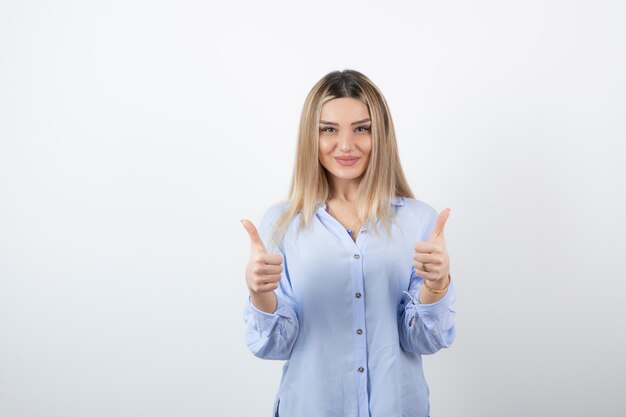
324 122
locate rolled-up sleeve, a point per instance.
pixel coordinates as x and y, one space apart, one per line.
272 335
426 328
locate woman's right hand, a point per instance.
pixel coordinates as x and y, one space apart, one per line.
263 271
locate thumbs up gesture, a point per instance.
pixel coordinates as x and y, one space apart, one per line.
430 259
264 269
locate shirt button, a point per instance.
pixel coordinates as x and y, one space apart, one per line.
357 256
359 331
361 369
357 295
364 231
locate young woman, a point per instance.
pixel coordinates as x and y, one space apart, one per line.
349 279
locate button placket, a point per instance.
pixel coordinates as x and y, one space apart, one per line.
359 317
355 249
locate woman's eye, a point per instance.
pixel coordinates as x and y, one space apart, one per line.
332 129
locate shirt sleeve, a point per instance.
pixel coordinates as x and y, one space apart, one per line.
426 328
272 335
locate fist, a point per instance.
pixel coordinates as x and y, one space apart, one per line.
264 269
430 259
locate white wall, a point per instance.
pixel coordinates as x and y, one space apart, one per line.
134 136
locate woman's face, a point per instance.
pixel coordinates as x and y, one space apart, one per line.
345 140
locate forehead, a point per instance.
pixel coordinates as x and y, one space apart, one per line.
346 109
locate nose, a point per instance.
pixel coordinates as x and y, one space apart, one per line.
345 141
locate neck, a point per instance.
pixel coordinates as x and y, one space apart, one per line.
344 191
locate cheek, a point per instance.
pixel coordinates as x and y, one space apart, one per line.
367 147
324 147
322 152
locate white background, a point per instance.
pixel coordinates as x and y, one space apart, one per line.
135 135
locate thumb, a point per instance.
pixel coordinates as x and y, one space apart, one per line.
441 222
255 239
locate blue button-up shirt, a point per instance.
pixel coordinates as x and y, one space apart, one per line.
348 321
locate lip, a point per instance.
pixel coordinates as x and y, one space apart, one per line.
347 161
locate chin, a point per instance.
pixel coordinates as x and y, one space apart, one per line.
347 176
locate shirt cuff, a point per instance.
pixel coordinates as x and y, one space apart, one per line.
437 309
264 321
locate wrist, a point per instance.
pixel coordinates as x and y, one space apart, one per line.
264 301
438 286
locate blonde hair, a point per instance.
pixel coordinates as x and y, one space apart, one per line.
383 178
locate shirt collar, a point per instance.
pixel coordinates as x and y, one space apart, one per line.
396 201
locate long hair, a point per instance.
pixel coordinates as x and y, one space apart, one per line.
383 178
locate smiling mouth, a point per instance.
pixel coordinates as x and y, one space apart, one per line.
347 161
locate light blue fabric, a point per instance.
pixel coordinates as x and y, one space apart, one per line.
349 355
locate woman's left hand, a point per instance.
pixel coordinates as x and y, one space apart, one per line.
430 259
